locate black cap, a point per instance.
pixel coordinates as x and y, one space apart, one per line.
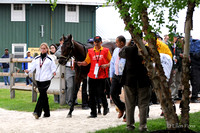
61 38
6 49
97 39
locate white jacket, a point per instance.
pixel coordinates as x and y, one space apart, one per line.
44 73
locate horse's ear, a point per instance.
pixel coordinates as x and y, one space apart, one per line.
70 37
63 37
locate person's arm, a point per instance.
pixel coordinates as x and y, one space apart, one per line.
58 52
85 62
32 67
82 63
122 53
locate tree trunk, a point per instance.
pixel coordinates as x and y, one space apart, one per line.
159 79
185 68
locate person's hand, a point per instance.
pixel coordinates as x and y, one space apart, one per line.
54 74
79 63
26 71
104 66
111 80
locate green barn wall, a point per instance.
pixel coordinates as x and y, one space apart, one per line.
29 31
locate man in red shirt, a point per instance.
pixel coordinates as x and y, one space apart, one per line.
99 60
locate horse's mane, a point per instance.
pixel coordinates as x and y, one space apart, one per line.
87 45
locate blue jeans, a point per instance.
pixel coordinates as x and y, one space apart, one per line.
6 78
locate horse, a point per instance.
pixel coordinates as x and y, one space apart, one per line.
72 48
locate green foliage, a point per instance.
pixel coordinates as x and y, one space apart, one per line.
22 101
156 10
53 4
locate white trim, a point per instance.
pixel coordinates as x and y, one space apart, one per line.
19 44
74 2
18 15
72 16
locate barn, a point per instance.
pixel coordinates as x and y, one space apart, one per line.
28 23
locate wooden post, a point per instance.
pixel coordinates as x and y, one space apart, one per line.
62 85
11 64
34 93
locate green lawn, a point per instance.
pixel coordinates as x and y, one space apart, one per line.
23 101
153 125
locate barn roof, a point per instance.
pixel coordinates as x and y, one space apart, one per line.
74 2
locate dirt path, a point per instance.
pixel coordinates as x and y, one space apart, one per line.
24 122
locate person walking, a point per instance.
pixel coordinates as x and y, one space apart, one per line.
69 76
136 88
98 58
45 69
116 69
5 67
53 49
26 66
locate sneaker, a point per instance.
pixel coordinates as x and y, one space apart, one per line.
92 116
35 115
105 111
130 128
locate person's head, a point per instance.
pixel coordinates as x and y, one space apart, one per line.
91 41
166 38
97 41
6 51
175 37
53 48
28 53
44 48
120 41
61 41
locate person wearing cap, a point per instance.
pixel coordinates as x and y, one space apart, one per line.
26 65
175 85
98 58
69 76
5 67
91 41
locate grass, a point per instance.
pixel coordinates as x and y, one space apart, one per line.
153 125
23 101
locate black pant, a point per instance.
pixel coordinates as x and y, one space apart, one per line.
43 102
195 81
96 91
116 87
84 94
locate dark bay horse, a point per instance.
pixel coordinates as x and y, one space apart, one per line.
71 48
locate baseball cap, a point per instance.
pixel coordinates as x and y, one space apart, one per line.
174 34
97 39
6 49
90 40
28 52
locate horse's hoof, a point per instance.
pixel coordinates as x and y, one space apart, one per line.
69 116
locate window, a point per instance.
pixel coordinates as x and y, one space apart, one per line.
18 12
72 13
17 7
19 50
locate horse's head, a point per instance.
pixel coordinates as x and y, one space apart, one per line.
66 49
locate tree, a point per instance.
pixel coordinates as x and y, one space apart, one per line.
135 15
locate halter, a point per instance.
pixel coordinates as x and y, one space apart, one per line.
69 55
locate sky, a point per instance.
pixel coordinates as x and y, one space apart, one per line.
110 25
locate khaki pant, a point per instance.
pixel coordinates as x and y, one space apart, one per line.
137 96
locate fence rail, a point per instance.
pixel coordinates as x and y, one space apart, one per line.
57 82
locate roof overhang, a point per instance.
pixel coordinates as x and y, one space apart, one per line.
74 2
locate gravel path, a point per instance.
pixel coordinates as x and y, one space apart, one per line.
24 122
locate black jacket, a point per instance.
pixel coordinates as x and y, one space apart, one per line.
135 73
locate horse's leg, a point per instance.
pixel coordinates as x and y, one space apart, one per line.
76 89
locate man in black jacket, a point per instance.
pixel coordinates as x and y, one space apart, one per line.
137 87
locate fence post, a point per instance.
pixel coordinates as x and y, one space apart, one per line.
11 64
62 85
34 93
